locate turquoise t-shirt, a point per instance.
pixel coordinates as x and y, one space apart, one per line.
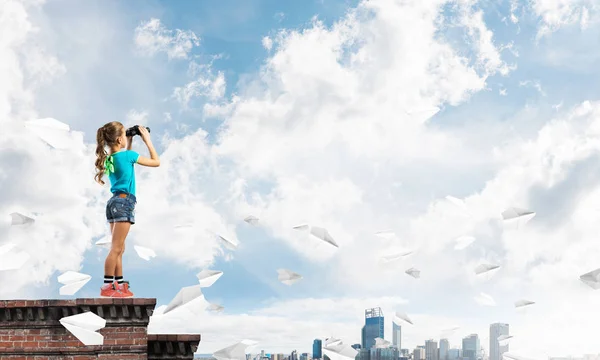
123 178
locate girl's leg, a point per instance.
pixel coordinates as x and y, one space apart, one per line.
119 266
120 231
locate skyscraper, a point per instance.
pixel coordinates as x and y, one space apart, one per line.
470 347
496 350
373 327
396 336
431 350
317 345
444 347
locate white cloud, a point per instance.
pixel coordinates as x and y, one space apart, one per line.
267 43
152 37
135 117
34 174
559 13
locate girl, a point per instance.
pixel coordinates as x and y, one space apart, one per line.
120 208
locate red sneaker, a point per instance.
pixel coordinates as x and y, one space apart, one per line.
110 291
124 288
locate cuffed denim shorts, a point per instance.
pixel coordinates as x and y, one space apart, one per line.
121 208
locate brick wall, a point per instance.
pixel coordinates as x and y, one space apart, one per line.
30 330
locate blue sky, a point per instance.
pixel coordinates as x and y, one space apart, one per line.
327 127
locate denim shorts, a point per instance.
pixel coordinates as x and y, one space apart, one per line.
121 208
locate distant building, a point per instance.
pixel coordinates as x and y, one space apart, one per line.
496 350
397 335
470 347
444 347
454 354
356 347
384 354
363 354
304 356
419 353
317 349
431 350
374 325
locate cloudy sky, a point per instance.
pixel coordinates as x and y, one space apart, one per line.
322 112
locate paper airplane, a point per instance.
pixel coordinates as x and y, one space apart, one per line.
252 220
53 132
394 257
402 316
592 279
388 235
183 297
12 260
84 326
483 268
215 308
20 219
381 343
208 277
303 227
288 277
337 350
73 282
323 234
105 242
504 339
517 216
414 273
460 204
228 243
236 351
144 252
485 299
463 241
522 303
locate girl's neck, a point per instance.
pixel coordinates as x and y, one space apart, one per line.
116 150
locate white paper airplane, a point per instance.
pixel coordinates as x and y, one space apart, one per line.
485 299
483 268
215 308
288 277
105 242
20 219
183 297
84 326
53 132
414 273
522 303
381 343
322 234
592 279
463 242
73 282
394 257
337 350
402 316
303 227
208 277
12 260
504 339
252 220
144 252
460 204
228 243
236 351
517 216
387 235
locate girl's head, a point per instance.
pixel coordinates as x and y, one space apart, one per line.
111 135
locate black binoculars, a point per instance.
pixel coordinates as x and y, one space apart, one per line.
134 130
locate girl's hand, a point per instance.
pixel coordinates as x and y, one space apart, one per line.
144 133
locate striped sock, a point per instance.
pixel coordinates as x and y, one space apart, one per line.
108 279
119 279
